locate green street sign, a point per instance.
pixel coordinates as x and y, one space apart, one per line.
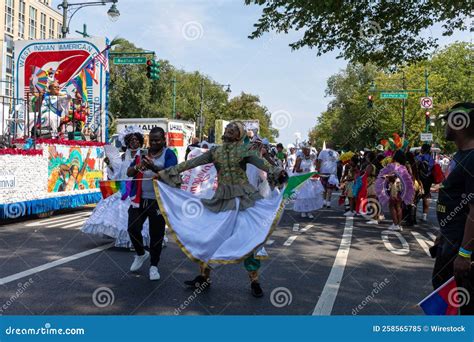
130 60
394 95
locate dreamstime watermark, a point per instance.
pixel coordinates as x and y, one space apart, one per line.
458 296
371 208
192 30
280 297
199 289
281 119
369 29
464 202
369 122
459 119
46 330
103 297
22 287
15 210
368 299
192 208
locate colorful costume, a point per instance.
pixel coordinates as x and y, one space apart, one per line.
235 222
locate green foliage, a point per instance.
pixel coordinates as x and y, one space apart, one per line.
351 125
380 32
133 95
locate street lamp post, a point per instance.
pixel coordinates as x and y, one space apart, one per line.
201 107
113 12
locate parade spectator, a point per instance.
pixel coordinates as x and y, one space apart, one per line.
425 167
455 209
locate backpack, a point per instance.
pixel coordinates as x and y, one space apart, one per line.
424 170
437 174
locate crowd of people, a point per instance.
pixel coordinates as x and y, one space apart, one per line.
244 207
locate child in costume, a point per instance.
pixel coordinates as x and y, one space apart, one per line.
351 172
231 226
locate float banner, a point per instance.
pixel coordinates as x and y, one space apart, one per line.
72 168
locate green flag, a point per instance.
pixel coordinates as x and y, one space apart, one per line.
294 182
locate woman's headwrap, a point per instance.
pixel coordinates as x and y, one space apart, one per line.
241 127
127 131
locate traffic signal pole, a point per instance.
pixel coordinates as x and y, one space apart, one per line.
174 97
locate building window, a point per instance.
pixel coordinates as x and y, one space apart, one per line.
9 66
51 28
21 20
9 14
8 86
32 30
60 30
43 26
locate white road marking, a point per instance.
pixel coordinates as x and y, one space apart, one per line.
398 251
331 288
76 224
57 219
305 229
424 242
61 224
52 264
290 240
269 242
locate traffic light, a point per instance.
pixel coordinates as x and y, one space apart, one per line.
153 69
370 101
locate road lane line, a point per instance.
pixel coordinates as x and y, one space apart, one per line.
52 264
75 224
424 242
290 240
305 229
398 251
75 220
331 288
57 219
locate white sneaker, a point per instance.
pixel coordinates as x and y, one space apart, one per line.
381 217
303 215
138 261
373 222
154 274
399 228
310 216
395 228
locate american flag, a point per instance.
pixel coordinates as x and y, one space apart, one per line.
102 58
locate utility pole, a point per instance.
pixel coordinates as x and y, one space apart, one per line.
403 107
174 97
201 110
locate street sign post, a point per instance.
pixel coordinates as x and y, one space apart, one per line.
426 102
426 137
400 96
130 60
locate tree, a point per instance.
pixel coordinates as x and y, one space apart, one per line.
384 33
133 95
348 122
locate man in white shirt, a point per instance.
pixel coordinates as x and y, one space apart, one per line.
327 164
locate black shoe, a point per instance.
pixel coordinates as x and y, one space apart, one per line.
198 282
256 289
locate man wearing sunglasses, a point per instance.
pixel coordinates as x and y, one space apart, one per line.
455 207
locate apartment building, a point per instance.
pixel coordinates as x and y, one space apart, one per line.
24 19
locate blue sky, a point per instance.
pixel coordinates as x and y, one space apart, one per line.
211 36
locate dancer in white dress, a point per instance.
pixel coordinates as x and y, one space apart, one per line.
310 196
291 161
110 217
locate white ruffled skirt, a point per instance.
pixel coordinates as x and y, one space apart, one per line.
224 237
110 218
309 197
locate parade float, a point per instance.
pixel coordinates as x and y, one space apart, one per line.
56 137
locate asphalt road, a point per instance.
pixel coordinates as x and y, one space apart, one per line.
329 265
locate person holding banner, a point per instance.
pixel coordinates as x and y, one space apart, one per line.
232 225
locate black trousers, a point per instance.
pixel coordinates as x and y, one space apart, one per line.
136 218
444 270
